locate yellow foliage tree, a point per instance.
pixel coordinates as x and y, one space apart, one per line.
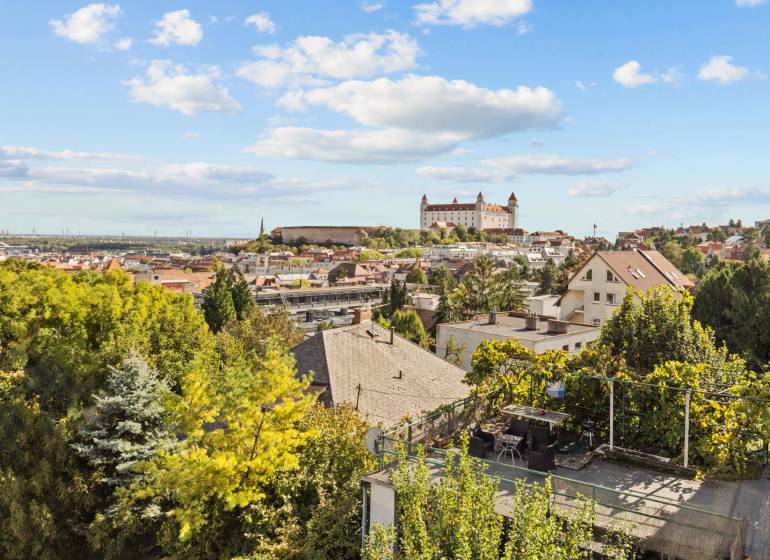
236 429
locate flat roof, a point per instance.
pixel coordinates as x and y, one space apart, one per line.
513 326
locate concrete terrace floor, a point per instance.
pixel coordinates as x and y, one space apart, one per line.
689 533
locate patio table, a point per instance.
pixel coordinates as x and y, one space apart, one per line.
552 418
509 444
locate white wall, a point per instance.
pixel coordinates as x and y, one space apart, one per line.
580 285
382 504
574 341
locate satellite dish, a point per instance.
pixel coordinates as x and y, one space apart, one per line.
374 439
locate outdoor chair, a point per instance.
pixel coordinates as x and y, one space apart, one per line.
480 443
541 458
541 436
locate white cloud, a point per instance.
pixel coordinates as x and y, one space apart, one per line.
750 3
181 181
432 104
523 27
584 86
350 146
88 24
309 60
629 75
458 174
547 164
169 85
721 69
21 152
13 169
191 135
123 44
506 168
261 22
588 188
370 6
177 28
471 13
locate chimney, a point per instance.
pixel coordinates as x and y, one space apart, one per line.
392 331
530 322
361 315
557 327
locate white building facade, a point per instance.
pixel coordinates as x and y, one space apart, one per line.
597 289
479 215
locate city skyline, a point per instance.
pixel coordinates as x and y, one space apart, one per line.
186 116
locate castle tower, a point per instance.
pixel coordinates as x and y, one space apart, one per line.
423 206
513 211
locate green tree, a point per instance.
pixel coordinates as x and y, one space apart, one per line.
64 330
672 250
442 276
447 310
398 295
408 324
45 498
460 232
658 328
548 278
218 306
240 428
478 295
243 300
247 337
416 275
455 518
692 261
128 424
314 511
510 291
713 299
749 312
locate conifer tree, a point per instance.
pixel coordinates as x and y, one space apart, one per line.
218 307
241 294
128 426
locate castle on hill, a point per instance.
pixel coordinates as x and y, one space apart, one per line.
480 215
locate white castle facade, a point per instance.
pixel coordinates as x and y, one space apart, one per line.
479 215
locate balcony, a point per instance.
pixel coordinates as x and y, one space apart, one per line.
674 515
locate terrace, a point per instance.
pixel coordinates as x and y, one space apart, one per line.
665 497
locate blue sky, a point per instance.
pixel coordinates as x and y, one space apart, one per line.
207 116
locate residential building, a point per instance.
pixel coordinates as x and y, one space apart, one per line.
598 287
384 376
535 332
479 215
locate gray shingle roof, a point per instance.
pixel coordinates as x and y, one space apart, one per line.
394 379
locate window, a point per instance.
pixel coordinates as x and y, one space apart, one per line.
611 277
611 299
565 347
596 322
589 275
597 297
578 345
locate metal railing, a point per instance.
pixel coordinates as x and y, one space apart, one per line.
667 526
